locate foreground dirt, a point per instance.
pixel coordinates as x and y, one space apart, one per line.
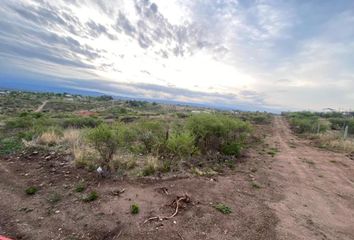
305 193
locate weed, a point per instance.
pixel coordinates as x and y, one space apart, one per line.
309 162
255 185
80 187
31 190
150 167
92 196
272 151
149 170
134 209
223 208
54 198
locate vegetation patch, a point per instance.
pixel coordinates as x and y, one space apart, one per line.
221 207
90 197
31 190
134 209
255 185
54 198
80 187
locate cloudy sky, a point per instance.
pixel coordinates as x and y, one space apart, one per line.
275 54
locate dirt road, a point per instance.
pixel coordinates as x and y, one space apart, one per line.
40 108
302 193
317 188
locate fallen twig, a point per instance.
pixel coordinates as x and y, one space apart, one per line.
118 192
180 236
165 190
185 198
117 236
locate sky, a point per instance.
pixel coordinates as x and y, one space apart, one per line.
243 54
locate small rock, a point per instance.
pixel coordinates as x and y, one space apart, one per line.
57 211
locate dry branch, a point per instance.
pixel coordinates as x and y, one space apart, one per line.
185 198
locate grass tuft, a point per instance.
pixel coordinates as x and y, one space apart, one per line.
134 209
92 196
31 190
223 208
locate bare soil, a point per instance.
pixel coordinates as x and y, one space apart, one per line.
300 193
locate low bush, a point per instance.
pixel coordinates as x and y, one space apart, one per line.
105 141
181 144
212 131
152 134
232 149
306 122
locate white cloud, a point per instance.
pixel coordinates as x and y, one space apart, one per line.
263 51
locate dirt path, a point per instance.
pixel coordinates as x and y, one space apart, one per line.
40 108
318 189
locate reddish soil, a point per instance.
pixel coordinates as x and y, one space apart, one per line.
317 188
305 193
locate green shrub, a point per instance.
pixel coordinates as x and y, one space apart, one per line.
105 141
338 123
81 122
181 144
307 124
10 146
232 149
152 134
134 209
214 130
126 134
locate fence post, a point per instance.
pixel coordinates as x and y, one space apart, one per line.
345 132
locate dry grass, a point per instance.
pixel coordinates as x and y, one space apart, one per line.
72 136
49 138
84 156
333 141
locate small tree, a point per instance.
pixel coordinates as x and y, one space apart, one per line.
105 141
